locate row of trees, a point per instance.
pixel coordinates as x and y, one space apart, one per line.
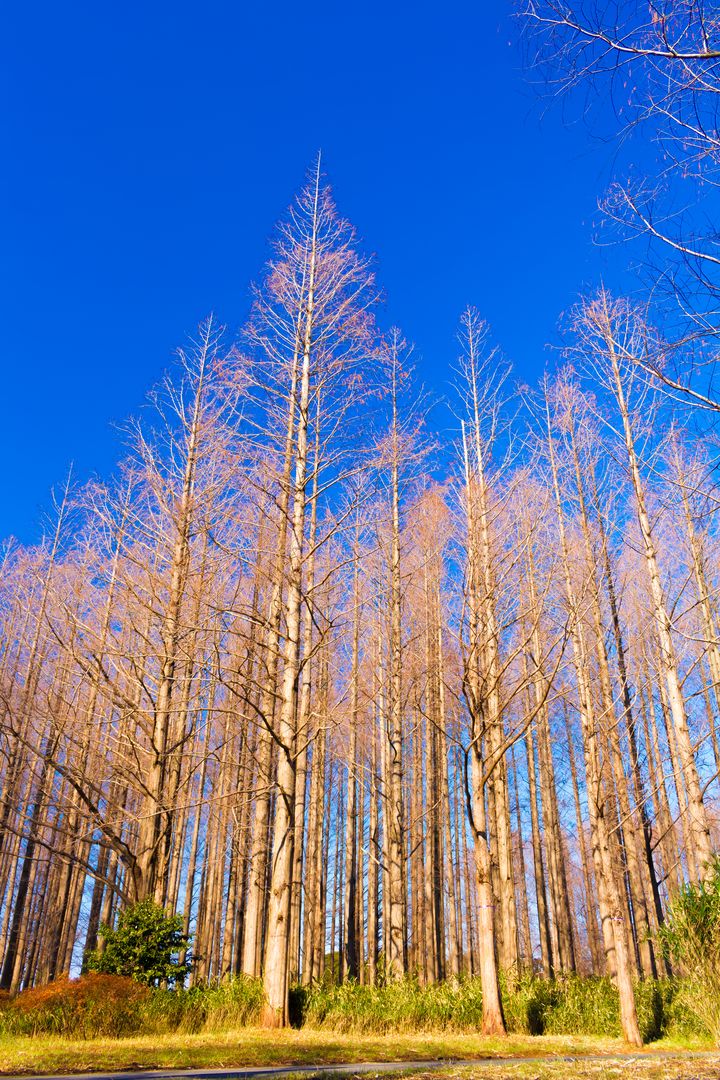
352 706
357 703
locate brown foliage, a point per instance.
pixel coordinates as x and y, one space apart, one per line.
79 993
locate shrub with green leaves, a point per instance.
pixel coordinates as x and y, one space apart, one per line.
145 946
691 937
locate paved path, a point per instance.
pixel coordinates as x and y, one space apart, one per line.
280 1071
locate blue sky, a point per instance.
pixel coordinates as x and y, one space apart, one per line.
149 149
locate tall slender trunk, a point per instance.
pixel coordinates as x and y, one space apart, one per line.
350 964
394 813
275 977
699 829
616 939
493 1022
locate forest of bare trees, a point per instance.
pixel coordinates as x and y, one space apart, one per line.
359 699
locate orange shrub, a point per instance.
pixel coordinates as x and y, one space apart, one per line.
90 1005
86 989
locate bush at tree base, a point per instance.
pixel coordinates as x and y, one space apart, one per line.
144 946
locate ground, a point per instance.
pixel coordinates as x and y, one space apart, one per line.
642 1068
258 1047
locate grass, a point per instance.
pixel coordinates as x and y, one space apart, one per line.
106 1023
259 1047
572 1005
109 1005
644 1068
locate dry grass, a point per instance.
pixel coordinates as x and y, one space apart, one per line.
642 1068
258 1047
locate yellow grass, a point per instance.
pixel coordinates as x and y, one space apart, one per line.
259 1047
645 1067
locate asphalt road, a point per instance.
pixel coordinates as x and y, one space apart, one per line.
370 1067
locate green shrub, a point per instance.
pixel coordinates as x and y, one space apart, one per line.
691 937
145 946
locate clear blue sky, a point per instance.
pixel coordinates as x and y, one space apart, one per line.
149 149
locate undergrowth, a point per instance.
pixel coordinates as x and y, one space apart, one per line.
112 1006
691 937
568 1006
